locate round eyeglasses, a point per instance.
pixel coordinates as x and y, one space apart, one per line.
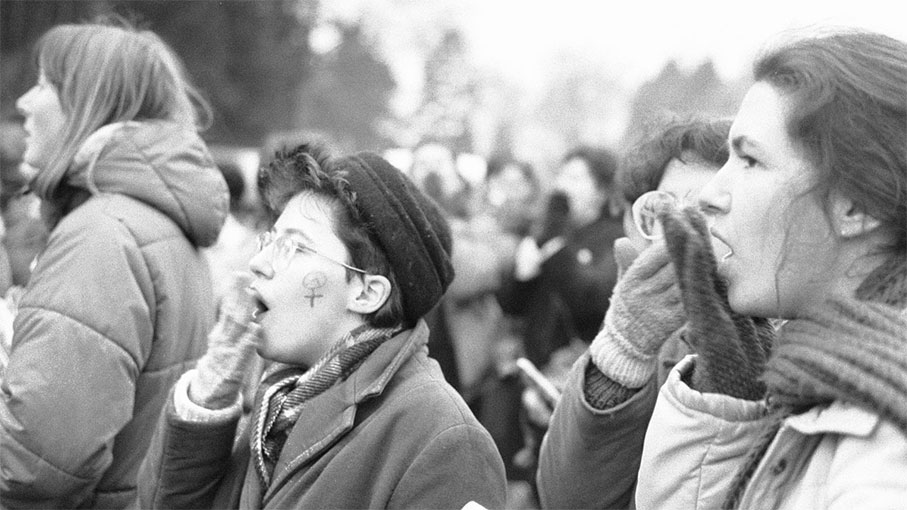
649 206
283 247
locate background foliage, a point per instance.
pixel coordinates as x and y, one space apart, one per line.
264 70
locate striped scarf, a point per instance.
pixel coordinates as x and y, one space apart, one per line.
288 388
853 351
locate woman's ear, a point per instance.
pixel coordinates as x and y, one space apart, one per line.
850 220
370 295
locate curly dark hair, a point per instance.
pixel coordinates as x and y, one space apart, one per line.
310 167
668 138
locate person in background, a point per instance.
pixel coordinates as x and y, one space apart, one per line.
560 283
505 213
351 412
22 233
466 326
434 170
25 234
120 299
511 196
564 272
590 455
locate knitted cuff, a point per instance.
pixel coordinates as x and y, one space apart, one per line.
221 372
603 393
619 359
190 411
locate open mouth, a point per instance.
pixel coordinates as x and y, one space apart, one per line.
722 250
260 309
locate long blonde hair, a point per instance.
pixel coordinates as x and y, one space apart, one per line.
106 72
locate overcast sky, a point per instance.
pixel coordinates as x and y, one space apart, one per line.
638 36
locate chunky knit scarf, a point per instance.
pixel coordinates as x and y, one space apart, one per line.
287 388
853 351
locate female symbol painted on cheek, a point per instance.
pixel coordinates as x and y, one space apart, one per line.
313 282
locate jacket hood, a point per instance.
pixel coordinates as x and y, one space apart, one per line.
162 164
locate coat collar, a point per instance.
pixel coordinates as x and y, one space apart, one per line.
836 418
329 416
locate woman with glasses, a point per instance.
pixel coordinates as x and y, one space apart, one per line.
119 302
351 412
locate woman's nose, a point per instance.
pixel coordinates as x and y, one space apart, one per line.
22 103
714 198
260 265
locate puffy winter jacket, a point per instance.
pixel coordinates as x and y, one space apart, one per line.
835 456
118 306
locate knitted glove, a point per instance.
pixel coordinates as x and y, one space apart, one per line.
231 349
645 310
732 348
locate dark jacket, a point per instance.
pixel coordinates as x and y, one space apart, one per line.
569 297
393 435
589 458
119 305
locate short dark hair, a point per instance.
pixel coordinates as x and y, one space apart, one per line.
311 167
602 164
667 138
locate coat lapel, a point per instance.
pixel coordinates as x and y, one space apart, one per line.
328 417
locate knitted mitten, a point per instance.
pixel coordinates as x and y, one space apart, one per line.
645 310
732 348
231 349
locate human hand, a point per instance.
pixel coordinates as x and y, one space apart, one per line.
538 409
231 348
732 348
527 260
645 310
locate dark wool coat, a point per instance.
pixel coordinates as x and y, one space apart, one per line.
118 306
569 297
392 435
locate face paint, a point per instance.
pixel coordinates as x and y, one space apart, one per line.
314 281
305 305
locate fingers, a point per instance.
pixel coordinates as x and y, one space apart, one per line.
697 220
240 280
649 262
528 260
238 303
695 265
624 253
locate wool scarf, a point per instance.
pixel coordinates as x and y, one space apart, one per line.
853 350
287 388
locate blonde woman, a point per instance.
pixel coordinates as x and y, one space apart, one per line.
119 302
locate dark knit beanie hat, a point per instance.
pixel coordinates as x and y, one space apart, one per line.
409 226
